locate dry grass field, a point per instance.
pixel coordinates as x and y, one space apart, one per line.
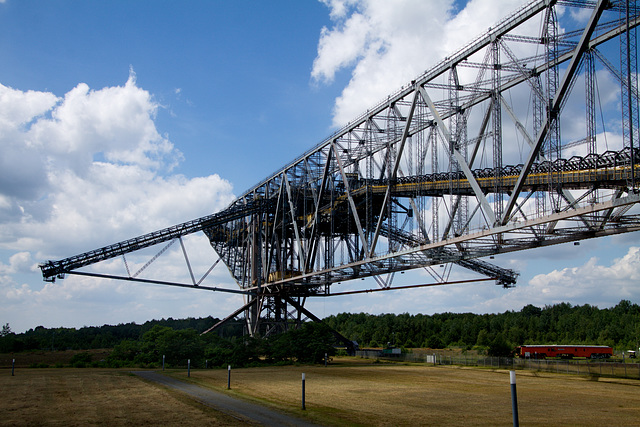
81 397
348 392
403 395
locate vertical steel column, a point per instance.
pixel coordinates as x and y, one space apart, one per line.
458 129
433 138
629 68
454 167
590 100
254 309
497 125
538 119
553 149
590 107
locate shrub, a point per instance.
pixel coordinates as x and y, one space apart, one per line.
500 347
81 360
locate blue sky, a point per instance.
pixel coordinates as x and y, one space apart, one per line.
226 74
119 118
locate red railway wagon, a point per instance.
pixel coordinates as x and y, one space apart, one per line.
564 351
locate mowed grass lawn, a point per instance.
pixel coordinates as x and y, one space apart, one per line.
347 392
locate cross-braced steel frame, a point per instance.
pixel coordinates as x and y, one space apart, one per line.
506 145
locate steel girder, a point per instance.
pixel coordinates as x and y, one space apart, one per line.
472 147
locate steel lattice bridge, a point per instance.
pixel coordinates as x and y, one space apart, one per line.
506 145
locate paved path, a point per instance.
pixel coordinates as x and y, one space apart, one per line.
240 409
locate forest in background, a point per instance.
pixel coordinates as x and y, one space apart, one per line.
618 327
493 334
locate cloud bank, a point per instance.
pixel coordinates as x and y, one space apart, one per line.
80 171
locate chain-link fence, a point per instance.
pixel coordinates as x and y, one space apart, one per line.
605 368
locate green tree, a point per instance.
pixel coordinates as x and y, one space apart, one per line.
124 353
81 360
531 311
483 338
218 351
177 346
305 345
499 347
434 341
6 330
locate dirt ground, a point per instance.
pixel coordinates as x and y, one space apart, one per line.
347 392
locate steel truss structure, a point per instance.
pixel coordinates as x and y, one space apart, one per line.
501 147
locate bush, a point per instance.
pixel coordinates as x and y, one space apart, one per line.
434 341
500 347
218 351
177 347
308 344
81 360
39 365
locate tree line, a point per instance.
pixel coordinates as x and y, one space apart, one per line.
181 339
309 344
98 337
618 327
176 341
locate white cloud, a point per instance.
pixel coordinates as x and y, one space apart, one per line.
79 172
595 283
117 122
338 8
92 157
581 15
21 162
592 281
338 49
17 108
19 262
386 44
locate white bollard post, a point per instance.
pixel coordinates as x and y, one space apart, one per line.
514 398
